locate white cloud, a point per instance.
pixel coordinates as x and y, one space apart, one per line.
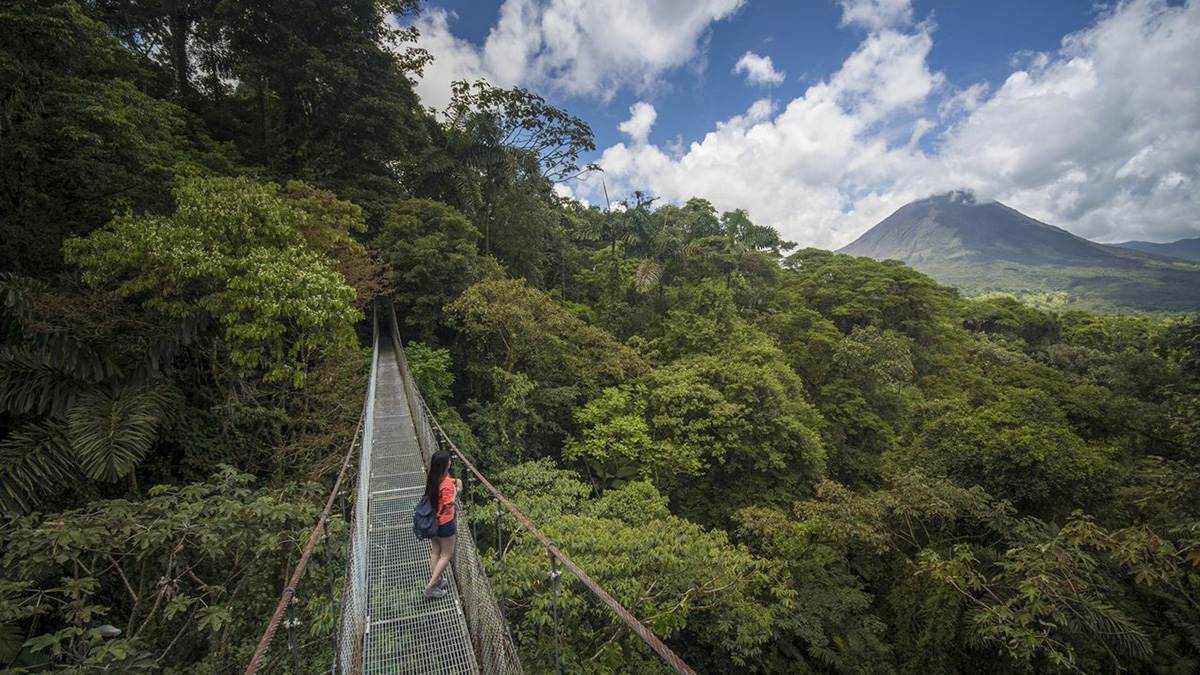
1088 137
593 48
758 70
798 169
1101 137
642 116
876 14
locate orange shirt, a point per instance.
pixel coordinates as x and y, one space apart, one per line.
446 500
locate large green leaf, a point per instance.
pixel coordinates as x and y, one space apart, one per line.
112 431
33 459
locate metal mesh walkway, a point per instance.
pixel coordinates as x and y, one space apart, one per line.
406 633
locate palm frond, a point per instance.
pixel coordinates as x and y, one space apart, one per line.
1116 629
647 275
161 352
29 383
112 432
16 292
34 459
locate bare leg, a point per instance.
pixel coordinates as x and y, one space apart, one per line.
447 552
435 552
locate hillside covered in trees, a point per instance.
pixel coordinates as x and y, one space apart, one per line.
781 461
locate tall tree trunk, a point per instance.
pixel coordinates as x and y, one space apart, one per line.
613 276
263 131
180 27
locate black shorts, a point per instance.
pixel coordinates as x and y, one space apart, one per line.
449 529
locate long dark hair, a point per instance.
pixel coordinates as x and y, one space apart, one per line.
439 466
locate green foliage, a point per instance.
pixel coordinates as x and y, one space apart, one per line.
703 319
241 252
1048 602
188 574
84 401
1018 447
616 446
738 427
535 361
430 370
521 120
1006 316
664 352
860 292
690 586
431 249
867 398
516 327
80 138
825 619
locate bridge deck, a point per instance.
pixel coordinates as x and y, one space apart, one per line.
407 633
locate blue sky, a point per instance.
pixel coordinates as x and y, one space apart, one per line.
1081 114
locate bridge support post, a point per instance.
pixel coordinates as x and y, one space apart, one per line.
291 626
554 573
499 543
331 559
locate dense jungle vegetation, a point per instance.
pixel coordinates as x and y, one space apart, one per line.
782 461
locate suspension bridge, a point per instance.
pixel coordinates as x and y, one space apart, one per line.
384 625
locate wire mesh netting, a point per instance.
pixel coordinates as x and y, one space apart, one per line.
489 637
387 624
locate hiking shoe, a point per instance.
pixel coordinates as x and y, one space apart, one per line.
434 592
444 584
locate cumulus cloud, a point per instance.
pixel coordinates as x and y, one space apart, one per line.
1101 137
758 70
642 116
594 48
1104 135
876 14
800 169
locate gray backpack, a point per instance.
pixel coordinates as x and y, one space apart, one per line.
425 521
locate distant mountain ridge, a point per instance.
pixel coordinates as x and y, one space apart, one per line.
990 248
1187 249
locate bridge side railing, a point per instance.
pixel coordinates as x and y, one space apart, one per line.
353 619
490 638
469 570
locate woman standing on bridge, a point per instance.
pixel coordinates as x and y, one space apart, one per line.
442 491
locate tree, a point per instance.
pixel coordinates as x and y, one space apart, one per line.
432 251
868 398
526 220
496 139
740 426
78 138
530 362
859 291
654 239
1018 447
1048 603
690 586
327 101
522 121
81 382
242 253
188 575
830 625
615 446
